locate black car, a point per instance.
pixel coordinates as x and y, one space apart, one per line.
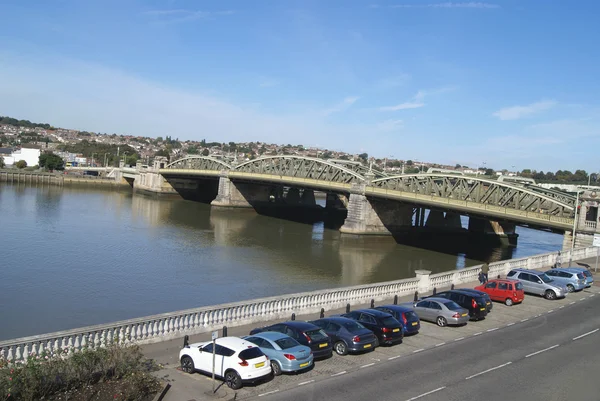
476 304
306 334
488 300
406 316
347 335
387 329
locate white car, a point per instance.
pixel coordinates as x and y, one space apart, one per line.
236 360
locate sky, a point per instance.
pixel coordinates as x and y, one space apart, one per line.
503 84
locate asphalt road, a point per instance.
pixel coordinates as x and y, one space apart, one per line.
552 357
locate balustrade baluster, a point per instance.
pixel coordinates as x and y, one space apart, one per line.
18 354
77 344
109 336
138 333
10 355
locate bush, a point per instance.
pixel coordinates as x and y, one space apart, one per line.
117 369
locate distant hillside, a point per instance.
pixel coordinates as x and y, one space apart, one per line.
22 123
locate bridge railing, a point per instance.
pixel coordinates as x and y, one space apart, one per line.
172 325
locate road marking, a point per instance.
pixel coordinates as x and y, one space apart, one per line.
418 350
489 370
495 328
592 295
540 351
572 303
560 307
586 334
394 357
306 382
343 372
510 324
477 334
440 344
427 393
268 392
459 338
524 320
367 365
551 310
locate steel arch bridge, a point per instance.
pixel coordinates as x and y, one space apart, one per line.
464 194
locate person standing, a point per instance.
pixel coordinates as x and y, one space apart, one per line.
485 269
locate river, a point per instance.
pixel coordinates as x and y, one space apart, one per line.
72 257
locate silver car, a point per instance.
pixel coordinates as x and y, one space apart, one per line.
589 278
574 281
441 311
539 283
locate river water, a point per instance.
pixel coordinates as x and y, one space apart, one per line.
73 257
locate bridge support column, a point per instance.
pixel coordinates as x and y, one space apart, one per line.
149 181
336 201
244 195
375 216
581 240
503 231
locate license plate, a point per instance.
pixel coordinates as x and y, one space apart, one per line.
414 323
368 346
464 314
323 345
481 308
487 303
396 330
259 365
303 365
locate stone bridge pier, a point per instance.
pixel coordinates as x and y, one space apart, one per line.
240 194
502 231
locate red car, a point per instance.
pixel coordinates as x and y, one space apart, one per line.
505 290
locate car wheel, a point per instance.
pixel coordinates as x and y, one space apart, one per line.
508 302
233 380
187 364
341 348
549 294
276 368
570 288
376 342
441 321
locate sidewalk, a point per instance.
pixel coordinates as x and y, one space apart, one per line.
197 387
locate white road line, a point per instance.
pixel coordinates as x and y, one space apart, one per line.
495 328
367 365
477 334
394 357
440 344
489 370
418 350
459 338
524 320
510 324
586 334
268 392
343 372
572 303
592 295
427 393
551 310
560 307
542 350
306 382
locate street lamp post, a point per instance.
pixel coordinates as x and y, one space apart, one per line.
574 228
93 159
124 157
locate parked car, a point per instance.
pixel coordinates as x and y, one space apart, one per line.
507 290
474 303
441 311
285 353
306 334
488 300
411 324
237 361
573 280
387 329
589 278
347 335
539 283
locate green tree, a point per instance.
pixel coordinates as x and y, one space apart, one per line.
409 163
163 152
457 165
21 164
192 150
2 164
363 156
489 171
50 161
205 152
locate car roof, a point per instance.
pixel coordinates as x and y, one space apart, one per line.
527 271
440 300
337 319
464 291
397 308
300 325
373 312
229 342
270 335
572 269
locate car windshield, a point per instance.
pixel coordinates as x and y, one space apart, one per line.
480 300
580 276
317 335
588 273
251 353
519 286
453 306
410 315
389 321
545 278
353 327
285 343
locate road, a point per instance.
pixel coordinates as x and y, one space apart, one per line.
551 357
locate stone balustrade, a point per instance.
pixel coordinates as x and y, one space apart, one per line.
167 326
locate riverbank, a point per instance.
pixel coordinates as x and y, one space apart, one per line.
59 179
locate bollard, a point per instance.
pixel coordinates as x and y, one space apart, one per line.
372 303
186 341
499 277
322 315
452 286
293 316
434 290
224 331
395 299
347 308
416 296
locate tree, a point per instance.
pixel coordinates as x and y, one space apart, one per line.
164 153
50 161
457 165
409 163
2 164
21 164
192 150
489 171
205 152
363 156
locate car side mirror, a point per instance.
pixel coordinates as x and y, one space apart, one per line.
539 281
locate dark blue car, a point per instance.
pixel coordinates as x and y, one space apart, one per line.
411 324
347 335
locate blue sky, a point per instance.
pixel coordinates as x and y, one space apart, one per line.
508 83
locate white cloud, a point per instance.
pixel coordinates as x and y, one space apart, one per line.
182 15
470 4
418 99
390 125
516 112
403 106
341 106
